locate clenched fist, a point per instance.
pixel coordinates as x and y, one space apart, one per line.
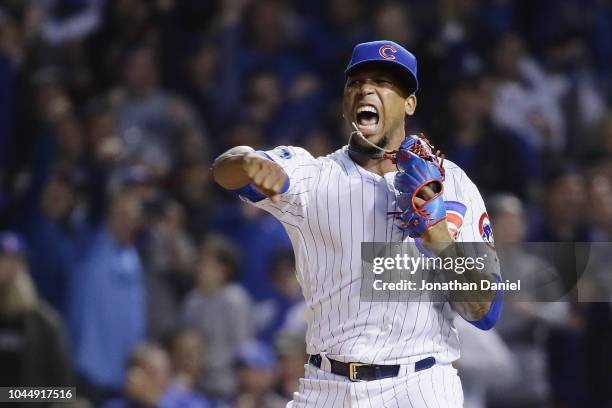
267 176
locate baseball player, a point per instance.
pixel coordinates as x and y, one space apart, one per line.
382 187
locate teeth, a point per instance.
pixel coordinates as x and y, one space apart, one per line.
367 108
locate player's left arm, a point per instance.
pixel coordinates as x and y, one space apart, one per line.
427 217
481 307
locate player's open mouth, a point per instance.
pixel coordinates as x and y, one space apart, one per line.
367 118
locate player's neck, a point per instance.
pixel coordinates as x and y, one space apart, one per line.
376 165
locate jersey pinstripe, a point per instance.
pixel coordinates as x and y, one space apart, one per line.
331 206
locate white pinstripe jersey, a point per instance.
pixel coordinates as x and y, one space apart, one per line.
331 206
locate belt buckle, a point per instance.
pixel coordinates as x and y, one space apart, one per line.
353 371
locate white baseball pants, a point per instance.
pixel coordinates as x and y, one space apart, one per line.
435 387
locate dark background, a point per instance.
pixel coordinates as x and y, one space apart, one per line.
111 113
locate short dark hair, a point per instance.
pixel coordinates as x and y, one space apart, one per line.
139 354
224 252
170 337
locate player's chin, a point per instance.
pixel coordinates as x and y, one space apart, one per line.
376 136
371 138
371 132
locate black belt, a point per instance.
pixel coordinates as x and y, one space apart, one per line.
368 372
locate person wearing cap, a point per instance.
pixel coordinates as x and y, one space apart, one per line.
148 382
390 353
33 349
257 372
291 350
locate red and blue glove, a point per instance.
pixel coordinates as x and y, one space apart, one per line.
418 167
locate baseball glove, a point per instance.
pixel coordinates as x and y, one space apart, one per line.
419 167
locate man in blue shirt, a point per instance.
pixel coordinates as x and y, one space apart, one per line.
107 307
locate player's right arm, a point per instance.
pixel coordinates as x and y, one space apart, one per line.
242 165
278 180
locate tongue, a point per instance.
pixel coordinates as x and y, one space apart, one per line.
368 119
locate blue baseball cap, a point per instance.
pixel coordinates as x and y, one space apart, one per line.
386 52
255 354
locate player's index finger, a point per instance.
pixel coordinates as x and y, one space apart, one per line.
418 201
427 192
269 181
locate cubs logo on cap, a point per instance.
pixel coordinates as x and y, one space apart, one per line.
386 52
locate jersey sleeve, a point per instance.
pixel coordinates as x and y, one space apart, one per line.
300 167
475 227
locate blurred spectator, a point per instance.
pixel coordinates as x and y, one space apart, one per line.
526 323
193 190
563 196
52 232
10 56
65 22
188 353
202 82
263 96
337 26
154 125
168 257
304 104
540 281
566 62
476 378
70 140
148 383
494 157
102 132
267 40
269 315
596 281
107 309
220 311
526 100
599 188
597 356
259 237
596 288
319 142
256 370
291 350
393 22
33 347
282 113
602 141
295 320
105 150
244 133
510 221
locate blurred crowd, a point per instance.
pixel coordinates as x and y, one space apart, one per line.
125 271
